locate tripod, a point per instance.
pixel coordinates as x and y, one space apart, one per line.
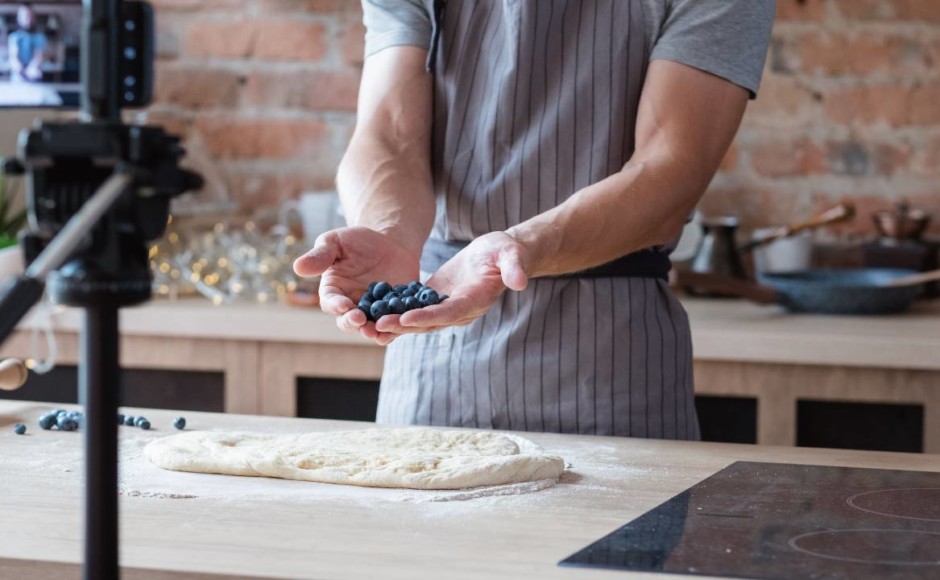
97 191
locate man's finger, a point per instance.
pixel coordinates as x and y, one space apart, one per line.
351 321
512 267
325 251
444 314
333 301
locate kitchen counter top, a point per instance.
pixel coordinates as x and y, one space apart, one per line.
246 527
722 330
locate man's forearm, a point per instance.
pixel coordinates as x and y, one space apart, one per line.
387 187
643 205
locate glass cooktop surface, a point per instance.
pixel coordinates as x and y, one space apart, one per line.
769 520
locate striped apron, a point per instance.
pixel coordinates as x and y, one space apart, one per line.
534 100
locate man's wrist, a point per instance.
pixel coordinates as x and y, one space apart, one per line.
540 245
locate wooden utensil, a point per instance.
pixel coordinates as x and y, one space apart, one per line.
840 213
913 279
13 374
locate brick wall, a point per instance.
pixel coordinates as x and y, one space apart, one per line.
850 104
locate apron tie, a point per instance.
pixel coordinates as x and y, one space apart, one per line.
437 23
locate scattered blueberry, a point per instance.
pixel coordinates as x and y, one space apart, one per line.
47 421
120 419
144 424
400 288
366 308
129 420
411 303
19 428
180 423
396 305
139 420
379 309
380 290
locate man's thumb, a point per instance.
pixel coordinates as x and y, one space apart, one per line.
512 267
320 258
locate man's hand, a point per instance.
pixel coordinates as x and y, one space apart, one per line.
474 279
348 260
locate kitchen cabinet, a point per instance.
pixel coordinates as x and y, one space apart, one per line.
768 361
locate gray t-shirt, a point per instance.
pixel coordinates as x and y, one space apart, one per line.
727 38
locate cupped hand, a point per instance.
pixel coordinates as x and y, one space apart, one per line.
347 261
474 280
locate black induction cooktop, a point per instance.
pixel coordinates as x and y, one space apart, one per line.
770 520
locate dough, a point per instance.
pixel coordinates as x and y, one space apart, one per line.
412 457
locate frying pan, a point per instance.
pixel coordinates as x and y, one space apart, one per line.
824 291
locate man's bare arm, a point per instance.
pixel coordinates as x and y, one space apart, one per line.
384 179
687 119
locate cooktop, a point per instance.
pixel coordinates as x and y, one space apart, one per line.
770 520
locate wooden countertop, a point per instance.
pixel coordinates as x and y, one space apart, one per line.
722 330
233 526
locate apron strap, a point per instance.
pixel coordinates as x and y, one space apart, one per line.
649 263
437 23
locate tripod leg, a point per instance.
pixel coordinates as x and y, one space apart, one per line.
99 380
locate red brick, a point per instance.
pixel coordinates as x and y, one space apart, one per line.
289 40
352 42
894 104
265 189
827 53
190 5
786 157
317 90
782 100
913 10
805 10
227 138
925 159
195 86
221 39
317 6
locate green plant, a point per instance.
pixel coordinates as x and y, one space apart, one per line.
11 222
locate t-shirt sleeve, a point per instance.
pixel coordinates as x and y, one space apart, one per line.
395 23
727 38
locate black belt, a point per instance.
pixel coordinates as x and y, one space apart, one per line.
648 263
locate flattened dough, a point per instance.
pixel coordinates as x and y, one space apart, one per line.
413 458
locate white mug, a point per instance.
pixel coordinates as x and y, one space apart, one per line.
318 211
791 254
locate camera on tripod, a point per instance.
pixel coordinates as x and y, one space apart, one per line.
98 190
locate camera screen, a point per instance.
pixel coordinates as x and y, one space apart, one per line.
39 54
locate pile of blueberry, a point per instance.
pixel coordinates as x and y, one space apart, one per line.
62 420
382 298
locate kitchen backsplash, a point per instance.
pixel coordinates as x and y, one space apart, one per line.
849 107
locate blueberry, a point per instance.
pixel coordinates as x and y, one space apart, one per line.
57 411
66 423
129 420
47 421
145 424
367 296
396 305
180 423
366 307
409 292
120 419
380 290
411 303
19 428
379 309
371 287
415 285
400 288
428 297
442 298
139 420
